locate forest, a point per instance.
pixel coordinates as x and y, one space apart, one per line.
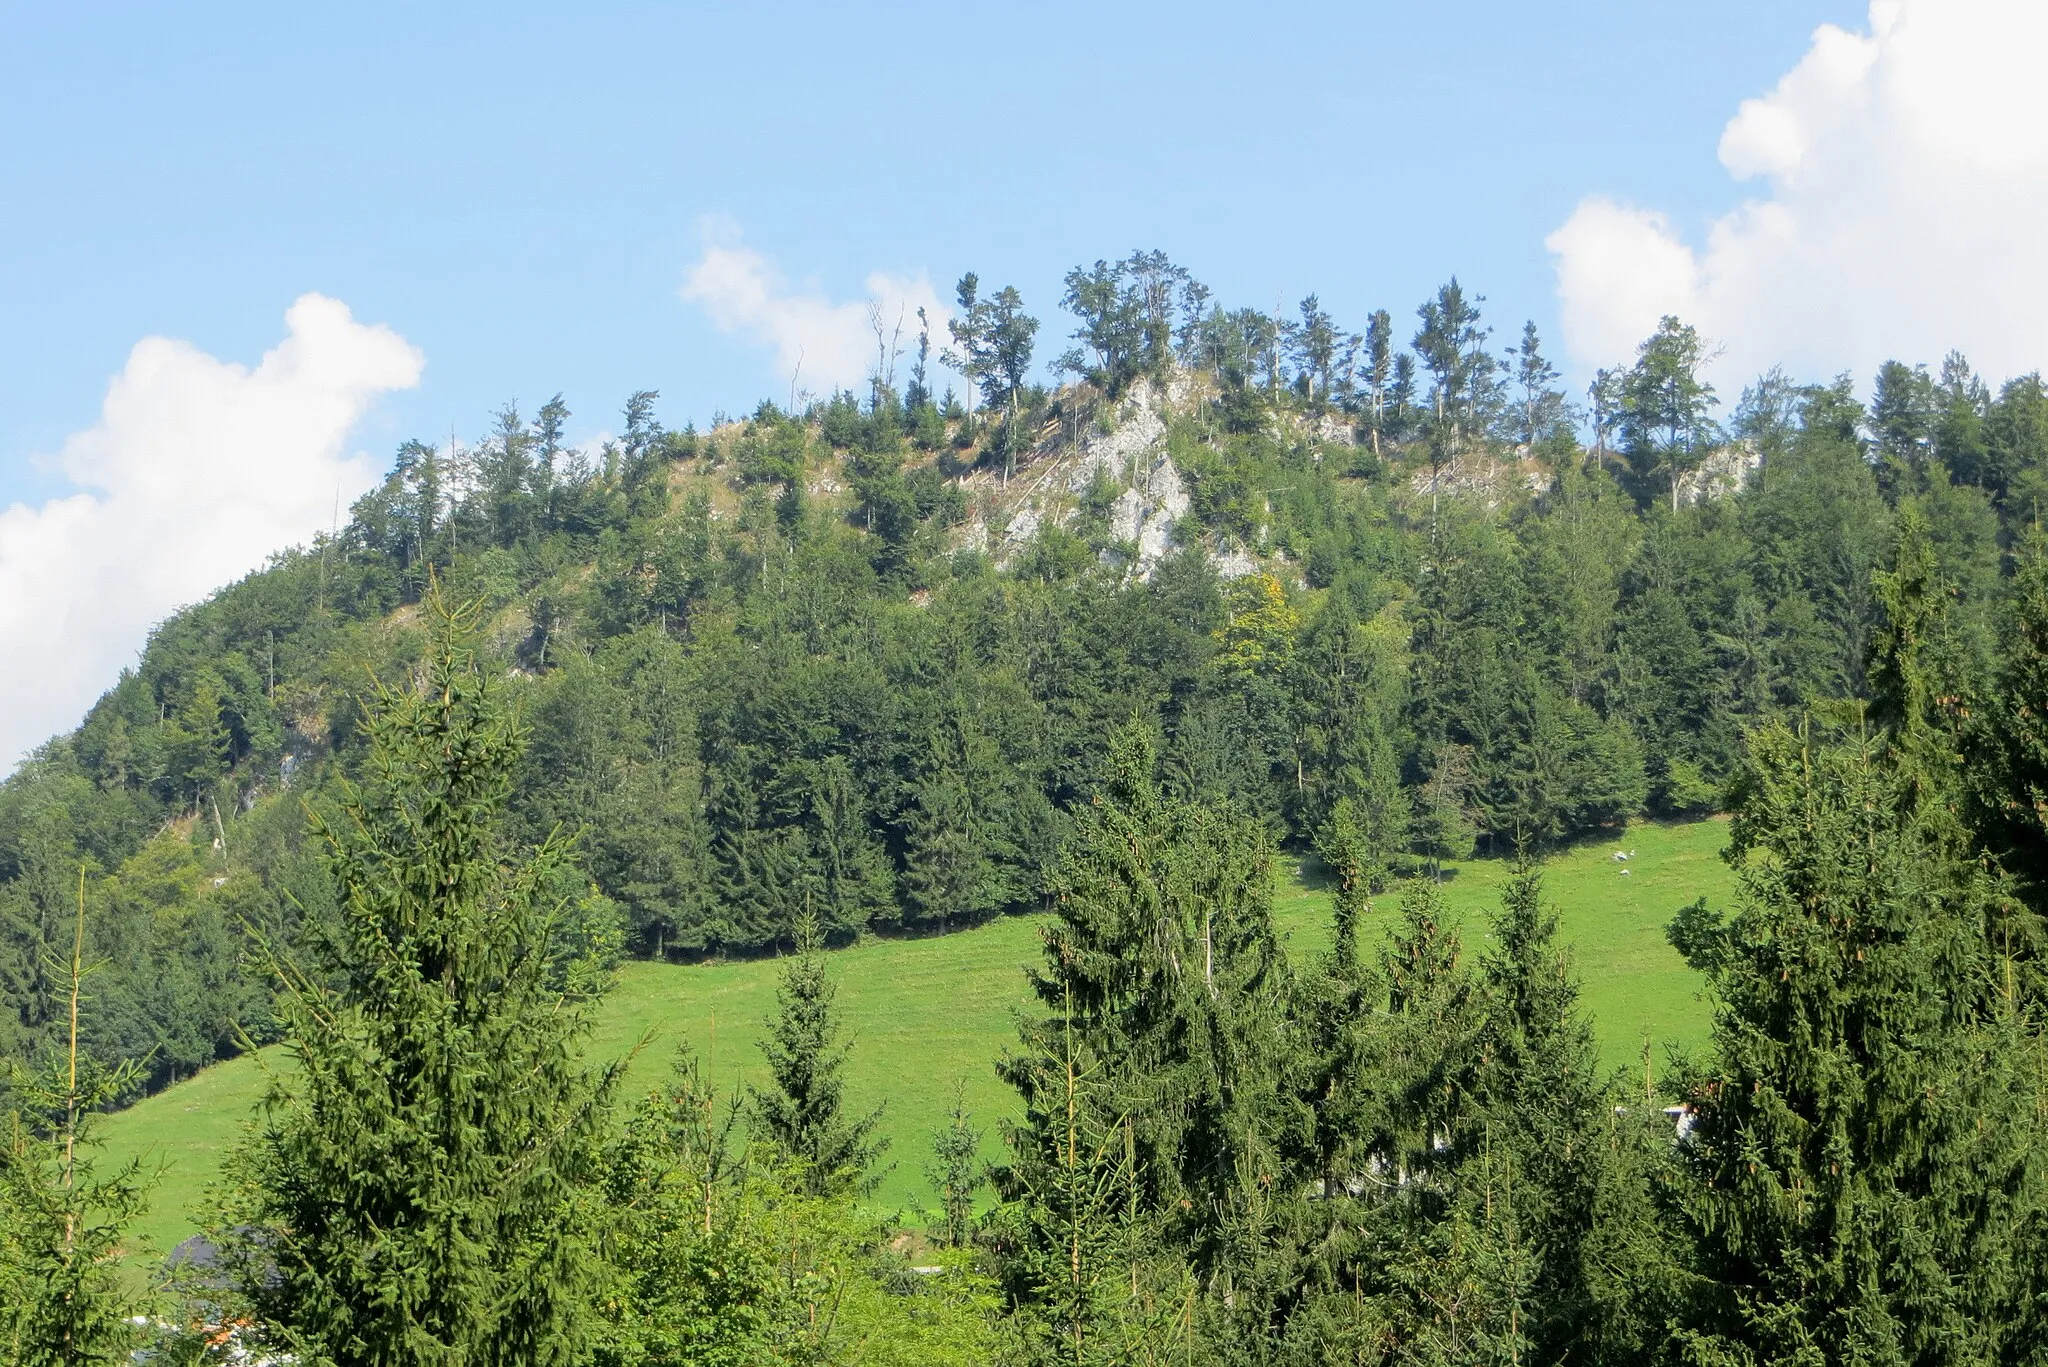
1232 587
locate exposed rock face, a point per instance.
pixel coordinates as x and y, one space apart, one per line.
1491 481
1722 474
1140 427
1131 454
1024 525
1145 514
1495 481
1234 563
1332 430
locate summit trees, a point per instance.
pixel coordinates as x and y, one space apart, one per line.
1667 426
992 344
1538 408
1464 381
1131 312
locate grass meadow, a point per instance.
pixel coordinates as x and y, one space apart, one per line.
928 1017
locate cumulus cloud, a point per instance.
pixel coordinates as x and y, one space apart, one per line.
819 345
1903 173
196 471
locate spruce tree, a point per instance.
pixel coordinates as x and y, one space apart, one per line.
1961 755
1543 1108
1435 1035
1081 1250
1919 693
804 1114
1164 969
414 1192
1420 1239
1864 1158
1558 1155
956 1170
1336 1036
690 1276
2009 739
1333 1014
64 1222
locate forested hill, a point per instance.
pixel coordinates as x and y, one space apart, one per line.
863 659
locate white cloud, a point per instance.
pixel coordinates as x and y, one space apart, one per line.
822 345
1905 175
197 470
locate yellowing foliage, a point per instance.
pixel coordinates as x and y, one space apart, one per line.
1259 637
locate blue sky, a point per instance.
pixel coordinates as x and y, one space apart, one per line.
518 190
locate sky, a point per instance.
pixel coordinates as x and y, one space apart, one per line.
247 250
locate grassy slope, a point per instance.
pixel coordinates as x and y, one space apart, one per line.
929 1015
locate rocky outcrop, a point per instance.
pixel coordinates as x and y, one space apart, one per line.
1125 445
1145 513
1722 474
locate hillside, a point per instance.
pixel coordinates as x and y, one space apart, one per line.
864 659
929 1014
920 680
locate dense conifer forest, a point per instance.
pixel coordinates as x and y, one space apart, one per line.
903 661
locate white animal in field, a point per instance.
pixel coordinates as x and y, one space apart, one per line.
1624 873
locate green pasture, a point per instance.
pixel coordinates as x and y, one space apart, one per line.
929 1016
